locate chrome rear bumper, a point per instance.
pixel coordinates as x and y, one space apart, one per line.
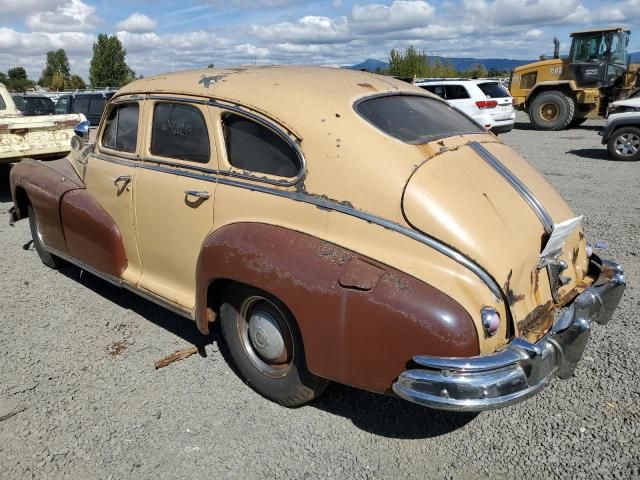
522 369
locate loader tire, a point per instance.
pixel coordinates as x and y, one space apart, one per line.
552 110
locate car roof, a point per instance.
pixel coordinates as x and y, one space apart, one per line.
284 93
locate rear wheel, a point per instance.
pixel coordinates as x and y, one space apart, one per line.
624 144
552 110
266 347
47 258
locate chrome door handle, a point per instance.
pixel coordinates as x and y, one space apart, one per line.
196 193
122 178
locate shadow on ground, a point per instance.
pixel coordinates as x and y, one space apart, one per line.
529 126
156 314
593 154
389 416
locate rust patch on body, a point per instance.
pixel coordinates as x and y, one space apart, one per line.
537 323
368 86
361 322
512 297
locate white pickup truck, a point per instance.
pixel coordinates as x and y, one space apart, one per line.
46 136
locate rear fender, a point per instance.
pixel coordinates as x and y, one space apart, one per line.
361 321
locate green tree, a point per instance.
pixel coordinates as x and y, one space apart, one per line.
3 78
17 80
211 65
477 70
76 83
412 63
57 63
108 66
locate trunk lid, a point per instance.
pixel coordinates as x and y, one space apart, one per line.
460 199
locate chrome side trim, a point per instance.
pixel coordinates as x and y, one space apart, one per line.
122 284
521 188
257 118
332 205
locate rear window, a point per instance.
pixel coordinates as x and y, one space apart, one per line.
494 90
456 92
415 119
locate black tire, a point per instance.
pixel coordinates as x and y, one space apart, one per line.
47 258
552 110
624 144
284 379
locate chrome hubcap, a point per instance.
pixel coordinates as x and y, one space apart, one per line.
265 336
627 144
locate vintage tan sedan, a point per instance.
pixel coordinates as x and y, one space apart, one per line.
340 225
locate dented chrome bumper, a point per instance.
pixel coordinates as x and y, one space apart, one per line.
522 369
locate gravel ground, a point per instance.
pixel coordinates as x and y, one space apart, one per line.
77 371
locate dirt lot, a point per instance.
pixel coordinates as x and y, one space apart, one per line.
77 369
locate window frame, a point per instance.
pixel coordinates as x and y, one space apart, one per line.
260 176
103 125
210 164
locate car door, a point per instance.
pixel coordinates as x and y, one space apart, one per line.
458 96
174 197
109 175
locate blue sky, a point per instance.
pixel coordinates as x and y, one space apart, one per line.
162 35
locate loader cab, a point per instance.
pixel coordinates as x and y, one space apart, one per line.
599 58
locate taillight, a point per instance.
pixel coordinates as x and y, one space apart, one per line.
482 104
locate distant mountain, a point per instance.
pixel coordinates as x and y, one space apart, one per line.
463 63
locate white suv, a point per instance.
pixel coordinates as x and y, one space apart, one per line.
486 101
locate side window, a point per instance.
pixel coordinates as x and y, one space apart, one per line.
81 105
121 129
254 147
456 92
62 105
437 89
3 106
97 105
180 131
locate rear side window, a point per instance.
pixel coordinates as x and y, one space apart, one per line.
494 90
97 105
81 104
437 89
62 105
121 129
415 119
3 106
456 92
254 147
180 131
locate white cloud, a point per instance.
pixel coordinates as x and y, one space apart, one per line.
523 12
137 23
309 29
73 16
534 33
400 15
18 7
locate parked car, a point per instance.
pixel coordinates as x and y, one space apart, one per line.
31 105
90 104
486 101
42 136
621 133
358 230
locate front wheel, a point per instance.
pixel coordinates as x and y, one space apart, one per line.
45 256
552 110
266 347
624 144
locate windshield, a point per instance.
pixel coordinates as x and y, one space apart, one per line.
593 48
415 119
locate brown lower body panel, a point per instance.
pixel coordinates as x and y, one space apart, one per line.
361 322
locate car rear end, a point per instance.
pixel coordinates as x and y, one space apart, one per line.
498 103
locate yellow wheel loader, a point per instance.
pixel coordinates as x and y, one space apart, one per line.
559 93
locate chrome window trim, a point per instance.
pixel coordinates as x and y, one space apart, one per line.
262 121
521 188
327 204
